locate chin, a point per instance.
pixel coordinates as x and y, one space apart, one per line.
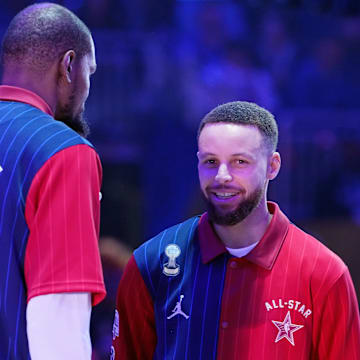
237 213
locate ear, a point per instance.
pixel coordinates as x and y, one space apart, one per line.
66 66
274 166
198 157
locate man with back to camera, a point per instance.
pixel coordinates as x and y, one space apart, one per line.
240 281
50 178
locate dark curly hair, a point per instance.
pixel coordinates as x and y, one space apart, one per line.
247 113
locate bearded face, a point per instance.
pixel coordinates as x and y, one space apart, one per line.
234 169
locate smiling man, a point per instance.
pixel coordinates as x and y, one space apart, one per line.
50 178
240 281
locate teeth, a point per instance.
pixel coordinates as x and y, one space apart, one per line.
224 195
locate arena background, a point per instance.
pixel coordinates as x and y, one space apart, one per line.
163 64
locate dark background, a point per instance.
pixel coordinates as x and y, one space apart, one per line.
163 64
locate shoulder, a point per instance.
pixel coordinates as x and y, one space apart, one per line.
174 233
30 123
180 235
47 137
323 266
30 138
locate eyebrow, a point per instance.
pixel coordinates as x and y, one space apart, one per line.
233 155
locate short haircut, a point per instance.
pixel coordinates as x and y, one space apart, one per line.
40 34
245 113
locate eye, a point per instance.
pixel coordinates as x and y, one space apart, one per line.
209 162
240 162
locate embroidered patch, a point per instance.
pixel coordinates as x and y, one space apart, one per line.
171 268
289 304
177 309
286 329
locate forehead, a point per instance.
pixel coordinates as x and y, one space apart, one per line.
229 137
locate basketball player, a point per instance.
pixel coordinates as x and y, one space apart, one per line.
240 281
50 177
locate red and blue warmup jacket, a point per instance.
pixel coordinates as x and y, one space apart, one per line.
183 296
29 138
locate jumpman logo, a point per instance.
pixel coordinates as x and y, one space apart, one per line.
177 310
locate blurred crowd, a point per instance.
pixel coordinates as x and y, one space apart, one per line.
162 65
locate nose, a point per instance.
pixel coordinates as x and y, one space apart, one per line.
223 175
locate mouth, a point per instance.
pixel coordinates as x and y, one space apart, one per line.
225 195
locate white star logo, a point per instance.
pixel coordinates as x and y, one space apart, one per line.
286 329
1 169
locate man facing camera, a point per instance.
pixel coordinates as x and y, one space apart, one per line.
50 178
240 281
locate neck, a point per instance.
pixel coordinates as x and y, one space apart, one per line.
248 231
38 85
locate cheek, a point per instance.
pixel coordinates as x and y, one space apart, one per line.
87 84
202 174
82 87
256 178
85 89
206 176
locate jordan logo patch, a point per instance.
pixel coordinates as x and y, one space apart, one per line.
177 310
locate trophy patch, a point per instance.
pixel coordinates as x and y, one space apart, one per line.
171 268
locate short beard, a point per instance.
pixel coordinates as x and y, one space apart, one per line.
77 122
239 214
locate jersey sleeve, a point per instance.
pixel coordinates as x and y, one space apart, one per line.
62 211
337 323
134 334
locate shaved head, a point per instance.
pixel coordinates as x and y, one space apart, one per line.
40 34
49 51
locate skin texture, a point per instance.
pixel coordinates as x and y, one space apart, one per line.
234 168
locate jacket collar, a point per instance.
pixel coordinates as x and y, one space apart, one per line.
13 93
265 252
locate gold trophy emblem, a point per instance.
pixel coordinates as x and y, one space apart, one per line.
171 268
